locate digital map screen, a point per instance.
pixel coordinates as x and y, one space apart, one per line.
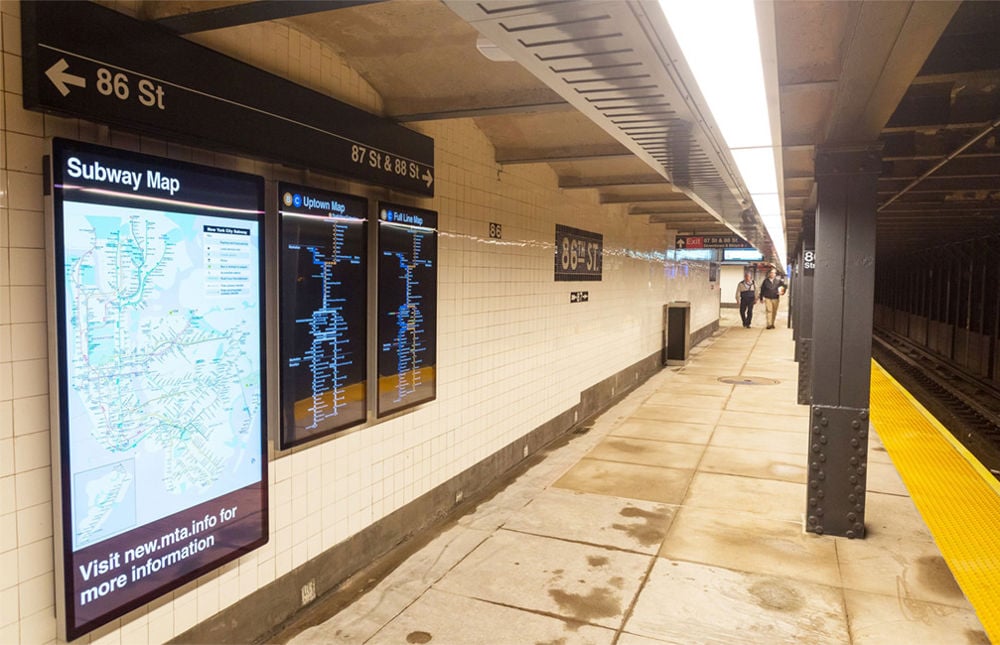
407 307
324 291
161 375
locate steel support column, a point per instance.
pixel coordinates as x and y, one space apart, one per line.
793 310
803 344
843 291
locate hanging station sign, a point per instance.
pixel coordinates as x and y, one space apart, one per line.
711 242
83 60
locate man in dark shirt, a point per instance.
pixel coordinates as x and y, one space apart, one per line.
770 290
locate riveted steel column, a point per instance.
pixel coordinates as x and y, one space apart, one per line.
804 287
843 290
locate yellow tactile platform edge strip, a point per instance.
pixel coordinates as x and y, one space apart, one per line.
957 497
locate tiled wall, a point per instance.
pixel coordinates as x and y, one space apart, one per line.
689 280
513 352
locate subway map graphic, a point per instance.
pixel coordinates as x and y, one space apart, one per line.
324 309
328 356
410 330
163 383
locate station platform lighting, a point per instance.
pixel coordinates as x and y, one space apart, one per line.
721 45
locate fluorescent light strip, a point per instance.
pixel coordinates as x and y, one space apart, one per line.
408 226
158 200
757 168
720 45
325 218
719 41
768 204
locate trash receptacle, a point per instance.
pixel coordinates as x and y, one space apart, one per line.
676 332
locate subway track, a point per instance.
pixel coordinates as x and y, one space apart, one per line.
966 405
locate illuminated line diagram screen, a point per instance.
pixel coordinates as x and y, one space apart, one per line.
407 307
324 307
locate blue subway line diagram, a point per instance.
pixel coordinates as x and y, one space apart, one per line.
410 331
407 315
324 308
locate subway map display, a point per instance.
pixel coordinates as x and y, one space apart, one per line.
161 375
324 292
407 307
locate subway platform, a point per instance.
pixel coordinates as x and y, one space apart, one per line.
677 517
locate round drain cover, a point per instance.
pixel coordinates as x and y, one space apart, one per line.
748 380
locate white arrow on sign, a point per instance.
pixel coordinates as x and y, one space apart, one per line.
57 74
428 178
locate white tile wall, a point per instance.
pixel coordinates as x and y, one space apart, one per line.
689 281
513 352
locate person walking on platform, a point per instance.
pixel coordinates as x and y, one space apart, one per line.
746 298
770 290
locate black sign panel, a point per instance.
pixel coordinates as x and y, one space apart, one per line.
808 261
160 319
324 290
83 60
579 254
407 307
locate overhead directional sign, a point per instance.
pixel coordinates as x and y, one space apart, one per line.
84 60
711 242
61 79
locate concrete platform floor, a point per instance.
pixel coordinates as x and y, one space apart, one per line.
678 518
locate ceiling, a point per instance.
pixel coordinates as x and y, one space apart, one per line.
598 92
921 80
